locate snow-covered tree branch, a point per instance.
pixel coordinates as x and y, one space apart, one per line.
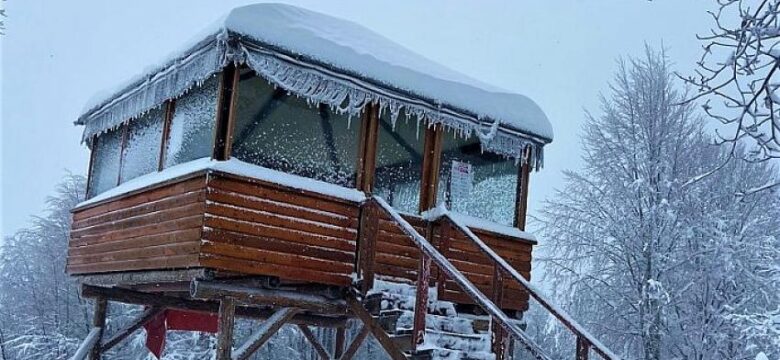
738 75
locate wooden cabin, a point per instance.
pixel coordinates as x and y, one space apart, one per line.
271 159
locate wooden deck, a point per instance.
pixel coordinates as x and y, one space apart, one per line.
243 226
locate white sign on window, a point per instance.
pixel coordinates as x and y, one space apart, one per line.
461 180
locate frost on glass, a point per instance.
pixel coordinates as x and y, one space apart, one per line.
278 130
399 162
142 150
105 164
192 127
494 186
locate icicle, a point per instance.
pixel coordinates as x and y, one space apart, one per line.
304 80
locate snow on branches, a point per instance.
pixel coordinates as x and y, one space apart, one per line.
739 69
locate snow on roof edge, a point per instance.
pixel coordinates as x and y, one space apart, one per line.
236 21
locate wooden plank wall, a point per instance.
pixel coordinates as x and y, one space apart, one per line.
478 268
396 254
235 224
398 258
158 228
260 228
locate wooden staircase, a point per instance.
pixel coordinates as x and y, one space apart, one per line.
423 327
448 334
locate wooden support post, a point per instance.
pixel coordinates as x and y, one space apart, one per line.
583 347
226 317
498 334
228 93
430 166
263 333
367 234
128 330
369 131
309 335
341 337
99 321
170 107
356 342
92 155
421 300
524 173
376 330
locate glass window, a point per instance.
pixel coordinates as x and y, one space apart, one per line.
142 149
277 130
476 183
399 157
105 163
192 127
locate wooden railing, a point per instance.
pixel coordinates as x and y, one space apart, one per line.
585 341
430 255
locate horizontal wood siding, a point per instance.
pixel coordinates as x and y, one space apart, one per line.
396 255
254 227
478 268
159 228
247 226
398 258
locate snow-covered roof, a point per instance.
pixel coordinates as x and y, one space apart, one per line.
333 61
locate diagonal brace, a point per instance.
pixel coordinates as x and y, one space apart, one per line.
264 332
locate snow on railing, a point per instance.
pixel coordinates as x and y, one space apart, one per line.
469 288
557 312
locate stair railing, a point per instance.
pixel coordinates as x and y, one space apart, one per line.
431 254
585 340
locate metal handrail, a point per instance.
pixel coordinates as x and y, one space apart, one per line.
467 286
558 313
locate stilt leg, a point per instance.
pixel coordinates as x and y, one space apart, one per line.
341 335
99 321
227 310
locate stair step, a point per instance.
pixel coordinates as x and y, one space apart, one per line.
377 302
445 354
398 320
443 340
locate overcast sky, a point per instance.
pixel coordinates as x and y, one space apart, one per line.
56 54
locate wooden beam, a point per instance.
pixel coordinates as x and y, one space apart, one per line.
369 131
376 330
128 330
98 322
122 153
354 346
154 299
421 301
226 322
498 334
170 108
256 296
309 335
228 93
430 166
583 348
341 335
263 333
92 154
89 343
368 232
524 173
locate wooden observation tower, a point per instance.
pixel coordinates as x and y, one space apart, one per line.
301 169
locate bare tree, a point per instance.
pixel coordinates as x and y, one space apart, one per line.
739 78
